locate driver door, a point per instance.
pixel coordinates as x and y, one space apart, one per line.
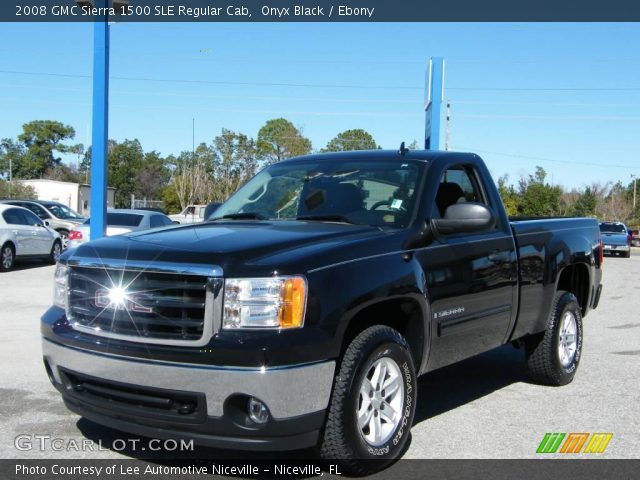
470 277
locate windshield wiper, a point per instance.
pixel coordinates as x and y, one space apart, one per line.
241 216
325 218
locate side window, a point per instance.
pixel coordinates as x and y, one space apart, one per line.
13 216
157 221
31 219
38 210
458 184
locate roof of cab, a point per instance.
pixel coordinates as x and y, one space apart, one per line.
381 155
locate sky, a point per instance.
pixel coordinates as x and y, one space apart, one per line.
562 96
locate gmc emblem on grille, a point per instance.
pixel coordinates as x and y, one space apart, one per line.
131 302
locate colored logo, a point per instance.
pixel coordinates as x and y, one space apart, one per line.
574 442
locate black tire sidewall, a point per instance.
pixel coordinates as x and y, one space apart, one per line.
395 445
567 302
13 257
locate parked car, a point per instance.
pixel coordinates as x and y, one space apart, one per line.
54 214
616 239
635 237
191 214
120 221
24 235
318 292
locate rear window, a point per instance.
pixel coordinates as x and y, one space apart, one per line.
122 219
612 228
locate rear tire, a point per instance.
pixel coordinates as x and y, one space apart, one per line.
7 257
373 403
553 356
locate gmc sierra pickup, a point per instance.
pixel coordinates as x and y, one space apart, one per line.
304 310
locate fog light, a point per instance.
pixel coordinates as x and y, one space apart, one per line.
258 411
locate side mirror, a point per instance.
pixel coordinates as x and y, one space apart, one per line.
467 217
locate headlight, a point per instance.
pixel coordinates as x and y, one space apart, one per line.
60 286
277 302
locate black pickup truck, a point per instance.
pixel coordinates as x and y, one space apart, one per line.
304 310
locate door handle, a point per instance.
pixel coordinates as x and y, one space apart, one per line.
499 257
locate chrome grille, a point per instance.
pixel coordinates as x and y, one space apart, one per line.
160 307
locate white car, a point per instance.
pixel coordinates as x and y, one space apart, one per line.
191 214
24 235
119 221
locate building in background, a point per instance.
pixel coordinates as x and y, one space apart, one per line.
74 195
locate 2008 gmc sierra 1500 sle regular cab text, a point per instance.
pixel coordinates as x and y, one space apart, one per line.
302 313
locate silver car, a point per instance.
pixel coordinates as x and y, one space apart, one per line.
24 235
120 221
53 214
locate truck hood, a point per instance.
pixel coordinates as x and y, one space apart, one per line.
247 247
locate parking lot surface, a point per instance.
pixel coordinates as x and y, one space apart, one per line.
481 408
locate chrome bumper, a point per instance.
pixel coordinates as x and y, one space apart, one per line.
287 391
616 248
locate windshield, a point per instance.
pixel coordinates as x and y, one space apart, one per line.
363 192
612 228
63 212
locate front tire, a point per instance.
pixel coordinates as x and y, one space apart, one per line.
64 238
7 257
554 355
373 403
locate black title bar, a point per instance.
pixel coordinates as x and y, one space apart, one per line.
325 11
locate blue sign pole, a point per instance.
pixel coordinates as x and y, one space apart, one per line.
100 126
433 103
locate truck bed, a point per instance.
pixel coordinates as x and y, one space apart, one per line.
545 246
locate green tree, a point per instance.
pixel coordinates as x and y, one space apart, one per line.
356 139
279 139
152 178
43 140
11 157
538 198
170 200
64 173
585 205
235 162
192 175
125 160
16 190
509 196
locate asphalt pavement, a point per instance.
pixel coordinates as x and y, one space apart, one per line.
484 407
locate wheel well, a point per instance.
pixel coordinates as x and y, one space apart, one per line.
403 315
575 279
9 242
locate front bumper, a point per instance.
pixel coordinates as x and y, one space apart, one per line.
139 396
